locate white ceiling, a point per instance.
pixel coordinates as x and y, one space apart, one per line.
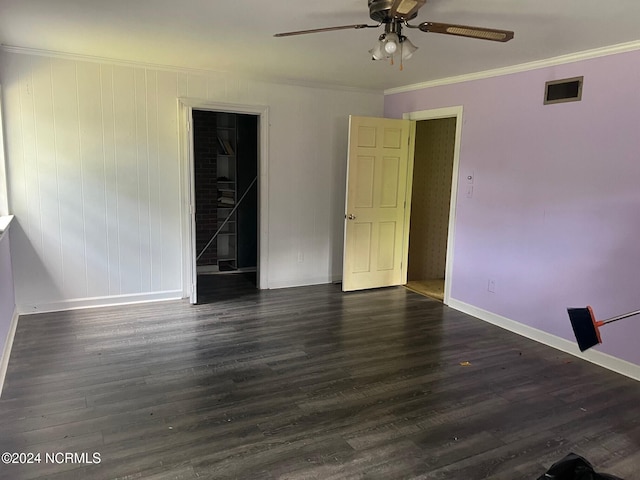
237 35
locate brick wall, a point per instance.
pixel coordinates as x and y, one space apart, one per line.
205 150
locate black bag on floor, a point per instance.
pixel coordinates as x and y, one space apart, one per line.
574 467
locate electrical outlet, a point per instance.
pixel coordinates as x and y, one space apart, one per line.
491 286
300 257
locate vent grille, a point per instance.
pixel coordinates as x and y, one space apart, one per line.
565 90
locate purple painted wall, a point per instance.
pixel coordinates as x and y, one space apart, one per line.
554 218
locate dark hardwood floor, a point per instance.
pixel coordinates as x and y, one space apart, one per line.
304 383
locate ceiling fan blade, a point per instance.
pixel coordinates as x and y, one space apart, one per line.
405 9
327 29
467 31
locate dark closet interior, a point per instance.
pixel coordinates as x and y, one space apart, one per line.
226 200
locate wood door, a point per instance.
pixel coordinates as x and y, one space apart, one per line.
377 168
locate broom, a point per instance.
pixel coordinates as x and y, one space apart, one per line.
586 327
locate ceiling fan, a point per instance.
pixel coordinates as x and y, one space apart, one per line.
394 15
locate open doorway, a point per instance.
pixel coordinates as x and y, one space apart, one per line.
225 169
433 170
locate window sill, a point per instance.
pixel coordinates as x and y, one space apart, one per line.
5 221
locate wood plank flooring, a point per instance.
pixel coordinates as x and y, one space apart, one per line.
304 383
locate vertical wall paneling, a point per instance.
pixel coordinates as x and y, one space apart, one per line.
14 80
13 130
92 152
142 162
8 314
154 166
70 164
283 212
96 183
4 205
196 86
216 88
127 178
38 95
110 180
30 211
168 185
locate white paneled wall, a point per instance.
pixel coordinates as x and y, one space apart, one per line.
94 177
4 207
8 312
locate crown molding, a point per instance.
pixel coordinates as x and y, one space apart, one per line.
184 70
523 67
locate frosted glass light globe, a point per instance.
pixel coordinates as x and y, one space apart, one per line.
391 44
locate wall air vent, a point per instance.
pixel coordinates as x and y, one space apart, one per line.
565 90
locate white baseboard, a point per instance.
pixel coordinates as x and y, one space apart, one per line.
96 302
302 282
602 359
6 352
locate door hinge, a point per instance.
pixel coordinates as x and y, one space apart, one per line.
188 126
191 209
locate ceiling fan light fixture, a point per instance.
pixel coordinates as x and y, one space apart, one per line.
377 52
391 43
395 15
407 48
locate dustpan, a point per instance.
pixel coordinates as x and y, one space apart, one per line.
587 329
574 467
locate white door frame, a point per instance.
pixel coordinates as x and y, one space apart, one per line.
186 107
447 112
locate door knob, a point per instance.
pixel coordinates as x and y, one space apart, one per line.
351 216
